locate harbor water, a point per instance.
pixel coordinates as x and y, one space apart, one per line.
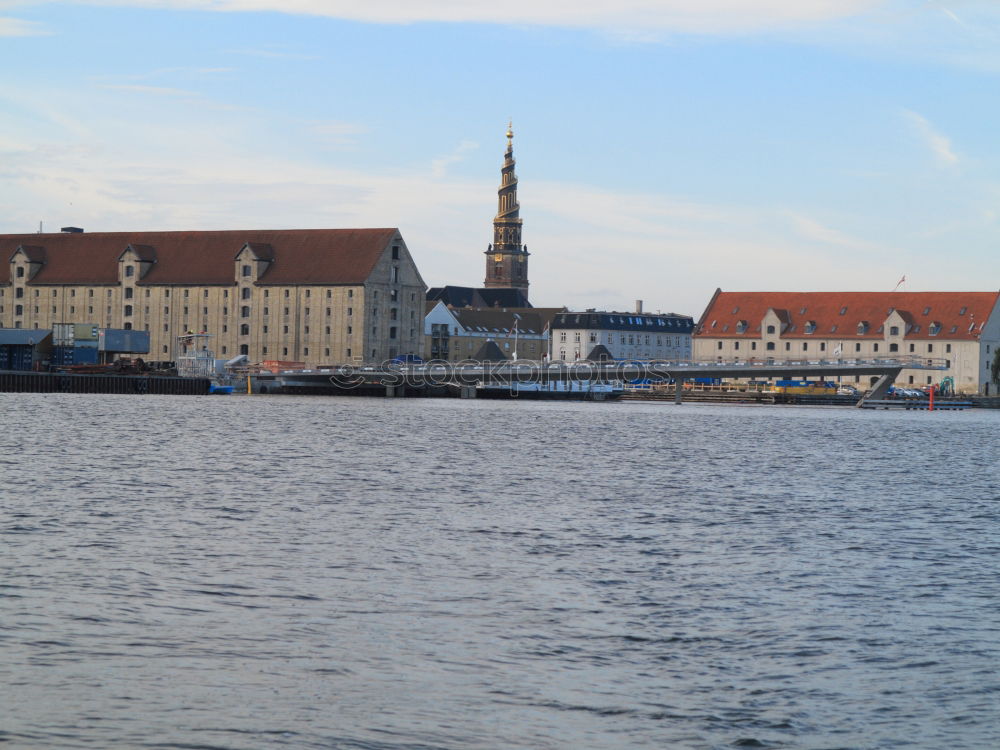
417 574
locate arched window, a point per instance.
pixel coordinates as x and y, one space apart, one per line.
770 346
246 293
893 347
244 330
244 312
770 329
244 349
893 330
130 270
20 272
128 311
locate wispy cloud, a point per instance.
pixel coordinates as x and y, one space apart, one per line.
336 134
154 90
938 144
439 166
273 54
700 16
814 231
20 27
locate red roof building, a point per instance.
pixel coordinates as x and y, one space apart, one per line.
962 329
313 295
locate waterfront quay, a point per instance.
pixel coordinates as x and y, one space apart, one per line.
13 381
468 379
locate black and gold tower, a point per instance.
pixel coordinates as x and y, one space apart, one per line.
506 257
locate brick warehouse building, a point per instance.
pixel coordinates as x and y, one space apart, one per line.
315 295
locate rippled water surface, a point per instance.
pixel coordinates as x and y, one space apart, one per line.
246 572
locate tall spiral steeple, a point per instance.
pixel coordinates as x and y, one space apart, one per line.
506 257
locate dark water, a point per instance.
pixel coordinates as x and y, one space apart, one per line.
246 572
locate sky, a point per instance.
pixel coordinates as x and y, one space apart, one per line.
665 147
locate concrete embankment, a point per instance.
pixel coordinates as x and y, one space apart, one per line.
757 397
46 382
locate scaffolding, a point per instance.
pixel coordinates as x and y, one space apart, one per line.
195 360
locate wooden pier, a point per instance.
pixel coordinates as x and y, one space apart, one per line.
915 404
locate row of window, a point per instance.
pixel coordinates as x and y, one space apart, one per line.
843 311
245 349
822 346
245 292
630 339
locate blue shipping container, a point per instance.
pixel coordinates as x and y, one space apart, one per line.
64 356
124 340
21 358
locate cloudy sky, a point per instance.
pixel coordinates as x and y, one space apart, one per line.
664 147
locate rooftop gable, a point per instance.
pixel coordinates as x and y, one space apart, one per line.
501 321
301 256
839 314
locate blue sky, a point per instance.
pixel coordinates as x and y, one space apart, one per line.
664 147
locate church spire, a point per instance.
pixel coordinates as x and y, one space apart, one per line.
506 257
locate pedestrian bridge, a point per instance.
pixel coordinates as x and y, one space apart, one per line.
396 377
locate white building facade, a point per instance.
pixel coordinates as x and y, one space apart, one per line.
626 336
455 334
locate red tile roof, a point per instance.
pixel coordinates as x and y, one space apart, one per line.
961 315
301 256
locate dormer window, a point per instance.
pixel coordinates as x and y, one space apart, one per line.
770 329
129 271
20 272
741 326
862 327
893 330
810 326
246 271
934 328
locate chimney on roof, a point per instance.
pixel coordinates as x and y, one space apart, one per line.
638 306
72 230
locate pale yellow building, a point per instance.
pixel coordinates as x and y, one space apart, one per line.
958 330
321 296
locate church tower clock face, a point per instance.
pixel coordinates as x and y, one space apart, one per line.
498 258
